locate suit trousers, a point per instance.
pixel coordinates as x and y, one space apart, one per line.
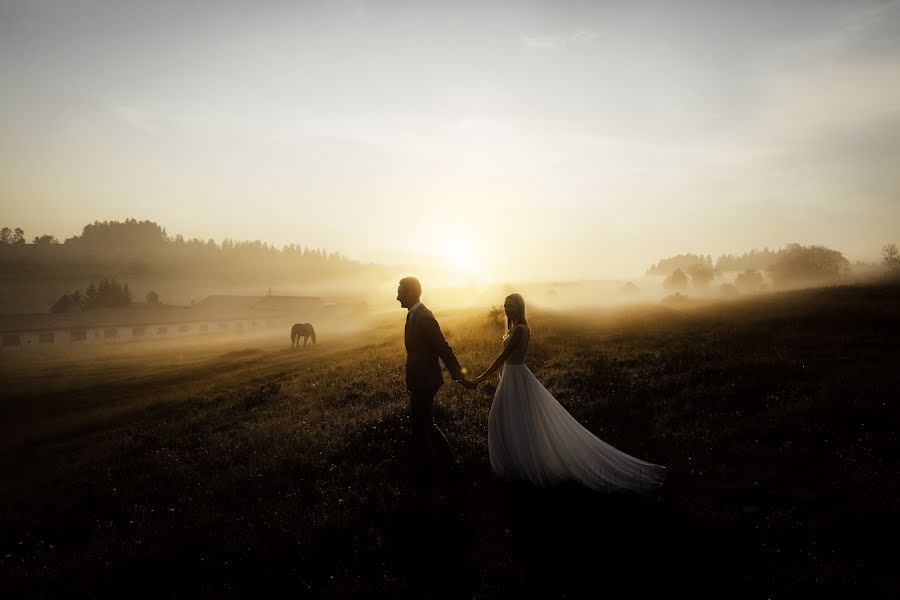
431 452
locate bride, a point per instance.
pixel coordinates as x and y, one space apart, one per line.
531 437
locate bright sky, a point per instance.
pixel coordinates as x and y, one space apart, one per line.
515 140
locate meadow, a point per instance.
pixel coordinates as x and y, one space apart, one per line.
250 469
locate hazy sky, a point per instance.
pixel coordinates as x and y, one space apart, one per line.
534 140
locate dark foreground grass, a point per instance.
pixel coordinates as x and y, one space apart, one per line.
262 471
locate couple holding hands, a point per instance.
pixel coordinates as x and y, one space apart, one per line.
531 436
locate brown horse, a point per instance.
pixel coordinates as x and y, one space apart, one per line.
304 330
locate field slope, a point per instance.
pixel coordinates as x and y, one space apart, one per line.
257 470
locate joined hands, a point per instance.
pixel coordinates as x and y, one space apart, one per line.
470 384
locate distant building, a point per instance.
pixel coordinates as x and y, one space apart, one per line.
145 321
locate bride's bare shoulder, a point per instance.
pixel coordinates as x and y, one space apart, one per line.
519 331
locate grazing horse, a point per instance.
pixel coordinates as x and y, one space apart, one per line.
304 330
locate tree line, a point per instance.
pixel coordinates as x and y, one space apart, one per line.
755 259
794 264
783 264
109 293
133 236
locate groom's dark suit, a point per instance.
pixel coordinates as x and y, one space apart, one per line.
424 345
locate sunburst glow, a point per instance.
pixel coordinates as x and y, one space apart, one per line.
461 253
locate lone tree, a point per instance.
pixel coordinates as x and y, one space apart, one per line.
45 240
677 280
152 297
889 255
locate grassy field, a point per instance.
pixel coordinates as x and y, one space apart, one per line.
236 469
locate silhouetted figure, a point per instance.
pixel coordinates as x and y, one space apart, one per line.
533 438
431 453
304 330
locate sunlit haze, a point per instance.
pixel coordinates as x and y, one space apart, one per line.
499 140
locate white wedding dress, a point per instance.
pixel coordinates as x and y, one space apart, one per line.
532 438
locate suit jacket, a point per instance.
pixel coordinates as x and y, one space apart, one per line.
424 344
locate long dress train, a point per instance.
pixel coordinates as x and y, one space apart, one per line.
533 438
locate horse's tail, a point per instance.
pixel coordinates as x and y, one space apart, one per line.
312 332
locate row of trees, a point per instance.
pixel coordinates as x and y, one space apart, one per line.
749 280
759 260
143 238
793 265
808 264
684 262
699 274
109 294
16 237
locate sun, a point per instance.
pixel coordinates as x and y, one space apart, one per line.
461 253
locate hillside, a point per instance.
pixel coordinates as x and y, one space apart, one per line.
259 470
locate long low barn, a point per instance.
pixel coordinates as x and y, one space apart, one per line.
215 314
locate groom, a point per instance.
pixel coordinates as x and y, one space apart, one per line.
424 345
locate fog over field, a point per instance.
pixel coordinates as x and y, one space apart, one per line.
532 299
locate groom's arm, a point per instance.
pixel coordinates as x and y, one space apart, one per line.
431 332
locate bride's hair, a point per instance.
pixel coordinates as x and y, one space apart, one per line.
519 302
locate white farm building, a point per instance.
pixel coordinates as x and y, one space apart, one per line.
214 314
